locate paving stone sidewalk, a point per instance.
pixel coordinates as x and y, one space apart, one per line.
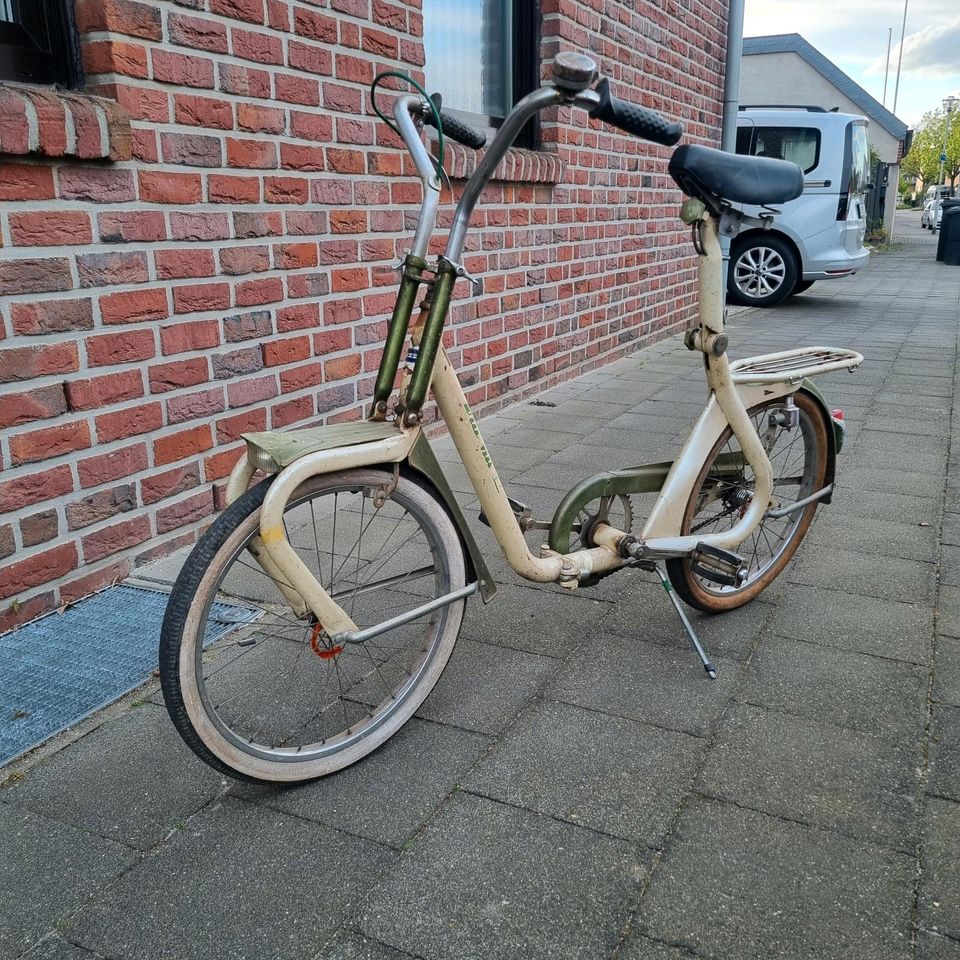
585 791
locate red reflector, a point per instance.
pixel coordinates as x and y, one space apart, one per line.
837 414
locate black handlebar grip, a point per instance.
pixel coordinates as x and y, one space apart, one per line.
458 130
633 119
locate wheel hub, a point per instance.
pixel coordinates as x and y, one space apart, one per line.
321 646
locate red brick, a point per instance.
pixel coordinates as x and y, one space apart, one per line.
253 154
311 126
34 276
184 263
134 306
345 161
222 188
189 510
286 190
179 446
220 464
301 378
289 350
193 335
159 486
341 368
190 406
181 69
8 545
249 225
310 58
235 363
196 32
247 326
191 150
244 81
294 89
196 297
25 363
197 111
96 184
291 411
140 103
260 119
300 316
250 10
298 156
159 186
35 487
114 56
36 570
103 391
348 221
316 26
19 613
254 292
49 442
129 422
107 467
199 226
245 259
39 528
107 269
229 429
89 583
26 181
258 47
99 506
331 341
178 373
244 392
126 347
118 536
41 403
132 226
118 16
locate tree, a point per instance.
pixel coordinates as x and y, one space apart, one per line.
923 160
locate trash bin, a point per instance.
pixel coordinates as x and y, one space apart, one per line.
948 244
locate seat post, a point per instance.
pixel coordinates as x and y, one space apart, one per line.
710 276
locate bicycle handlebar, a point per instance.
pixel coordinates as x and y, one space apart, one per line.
457 130
634 119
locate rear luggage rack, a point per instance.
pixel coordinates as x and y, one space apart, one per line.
792 366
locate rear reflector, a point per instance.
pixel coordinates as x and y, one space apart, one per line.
837 414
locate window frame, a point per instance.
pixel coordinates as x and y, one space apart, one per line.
526 56
39 45
757 128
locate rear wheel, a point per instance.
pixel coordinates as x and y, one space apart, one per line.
800 286
724 490
763 271
278 699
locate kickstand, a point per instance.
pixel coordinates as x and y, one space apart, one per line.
701 653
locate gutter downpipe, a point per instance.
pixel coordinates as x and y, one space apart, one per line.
731 102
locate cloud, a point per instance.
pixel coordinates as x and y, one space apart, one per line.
933 51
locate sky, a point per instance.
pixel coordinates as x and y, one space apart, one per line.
853 34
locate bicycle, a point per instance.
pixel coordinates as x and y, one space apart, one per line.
353 556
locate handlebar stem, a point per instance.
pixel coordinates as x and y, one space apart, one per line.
404 109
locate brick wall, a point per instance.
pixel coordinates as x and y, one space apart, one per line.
199 245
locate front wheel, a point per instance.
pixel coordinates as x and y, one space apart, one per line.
278 699
724 489
763 271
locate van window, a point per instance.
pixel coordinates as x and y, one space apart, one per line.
860 159
800 145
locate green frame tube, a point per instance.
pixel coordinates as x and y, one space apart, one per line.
431 336
413 268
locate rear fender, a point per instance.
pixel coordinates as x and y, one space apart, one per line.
834 433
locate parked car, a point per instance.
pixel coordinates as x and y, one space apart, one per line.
818 236
932 214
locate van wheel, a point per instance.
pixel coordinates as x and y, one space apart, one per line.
763 271
800 286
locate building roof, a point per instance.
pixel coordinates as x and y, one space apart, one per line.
794 43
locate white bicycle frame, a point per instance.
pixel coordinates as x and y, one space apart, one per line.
730 395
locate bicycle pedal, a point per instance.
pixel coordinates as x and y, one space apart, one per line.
721 566
520 510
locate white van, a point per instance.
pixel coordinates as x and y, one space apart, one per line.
818 236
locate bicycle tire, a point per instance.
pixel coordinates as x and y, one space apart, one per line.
199 681
789 531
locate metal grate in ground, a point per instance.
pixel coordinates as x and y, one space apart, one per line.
61 668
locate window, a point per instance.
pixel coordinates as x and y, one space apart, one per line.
38 42
800 145
482 56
